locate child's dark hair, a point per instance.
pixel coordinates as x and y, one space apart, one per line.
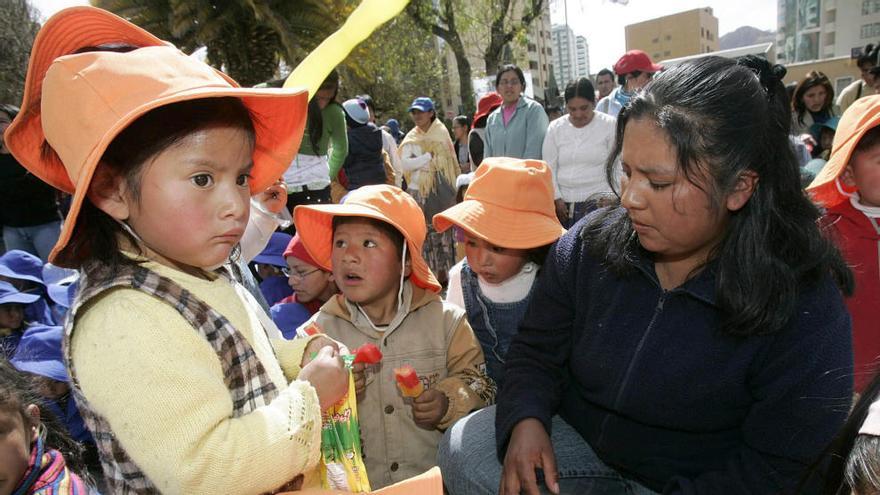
851 462
96 234
868 141
385 227
580 88
16 394
315 119
463 120
539 254
722 118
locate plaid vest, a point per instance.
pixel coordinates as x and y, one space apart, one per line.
249 385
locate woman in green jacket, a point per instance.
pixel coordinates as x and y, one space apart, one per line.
517 128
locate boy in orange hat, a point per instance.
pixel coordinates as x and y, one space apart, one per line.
849 188
373 242
509 222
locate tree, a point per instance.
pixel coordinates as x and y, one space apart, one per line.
18 28
246 38
455 21
396 64
441 22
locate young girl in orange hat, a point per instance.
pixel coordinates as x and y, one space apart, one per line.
170 364
509 223
849 188
373 242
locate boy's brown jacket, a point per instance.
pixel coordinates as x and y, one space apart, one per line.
436 339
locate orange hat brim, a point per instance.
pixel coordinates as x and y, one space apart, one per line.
862 116
501 226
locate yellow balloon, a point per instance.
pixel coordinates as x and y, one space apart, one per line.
368 16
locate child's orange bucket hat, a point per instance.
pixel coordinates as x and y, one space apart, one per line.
862 116
79 103
387 203
509 204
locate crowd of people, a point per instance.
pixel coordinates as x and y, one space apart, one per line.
673 287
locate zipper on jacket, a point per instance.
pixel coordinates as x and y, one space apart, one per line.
617 400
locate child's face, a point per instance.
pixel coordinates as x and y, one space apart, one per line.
16 436
826 138
863 172
366 266
492 263
194 198
308 281
11 315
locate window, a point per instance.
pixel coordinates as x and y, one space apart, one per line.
869 31
533 65
702 32
532 47
655 40
831 15
829 39
870 6
549 51
666 53
668 37
655 56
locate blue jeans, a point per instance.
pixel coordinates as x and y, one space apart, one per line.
470 467
37 240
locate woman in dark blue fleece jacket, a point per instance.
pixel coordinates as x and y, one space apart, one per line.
693 340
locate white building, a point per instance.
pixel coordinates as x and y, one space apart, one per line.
571 56
821 29
583 57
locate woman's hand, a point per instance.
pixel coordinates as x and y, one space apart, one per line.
529 448
429 408
328 375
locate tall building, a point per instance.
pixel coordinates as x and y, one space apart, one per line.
583 57
677 35
821 29
571 56
564 55
540 52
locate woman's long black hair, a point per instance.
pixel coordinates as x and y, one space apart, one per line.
315 123
724 117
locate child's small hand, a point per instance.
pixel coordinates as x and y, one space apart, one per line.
327 373
429 408
274 198
360 379
316 344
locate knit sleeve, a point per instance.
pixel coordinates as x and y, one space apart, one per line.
290 354
467 385
160 386
335 118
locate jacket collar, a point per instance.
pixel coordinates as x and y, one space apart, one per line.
701 286
414 297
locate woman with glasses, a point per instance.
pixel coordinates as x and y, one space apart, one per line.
312 286
516 128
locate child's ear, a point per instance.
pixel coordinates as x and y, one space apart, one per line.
848 177
33 416
109 193
742 190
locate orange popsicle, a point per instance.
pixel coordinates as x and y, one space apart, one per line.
408 381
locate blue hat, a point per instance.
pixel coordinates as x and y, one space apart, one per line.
39 352
422 103
9 294
394 125
357 110
22 265
831 123
60 283
288 317
273 254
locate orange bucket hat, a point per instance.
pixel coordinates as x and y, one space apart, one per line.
381 202
509 204
862 116
79 103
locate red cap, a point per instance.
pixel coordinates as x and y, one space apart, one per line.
297 249
487 103
635 60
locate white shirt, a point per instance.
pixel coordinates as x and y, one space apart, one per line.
414 159
577 156
514 289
